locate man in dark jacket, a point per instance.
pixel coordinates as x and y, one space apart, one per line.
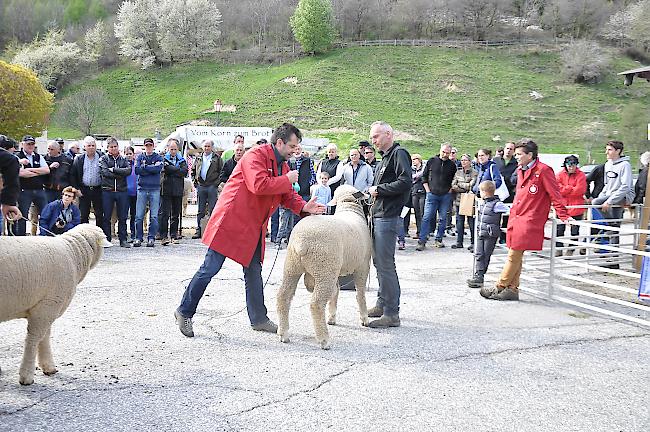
507 165
438 175
206 172
86 177
229 165
175 170
33 169
148 167
114 170
60 167
391 189
9 182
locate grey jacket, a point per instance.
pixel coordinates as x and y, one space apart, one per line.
619 189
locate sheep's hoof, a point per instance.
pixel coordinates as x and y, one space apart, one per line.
26 380
284 339
325 344
331 321
49 370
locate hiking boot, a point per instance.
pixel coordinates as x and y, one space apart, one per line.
137 243
125 244
375 312
401 245
151 242
476 281
197 235
438 244
165 241
457 246
267 326
508 294
494 293
385 321
184 324
420 247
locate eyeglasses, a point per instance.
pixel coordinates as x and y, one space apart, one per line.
571 164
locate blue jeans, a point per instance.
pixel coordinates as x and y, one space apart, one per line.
121 200
435 204
152 197
384 231
25 198
210 267
207 196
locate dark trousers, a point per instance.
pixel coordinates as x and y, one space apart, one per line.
121 200
91 196
504 225
207 198
418 207
484 249
25 199
252 280
171 207
575 230
460 227
133 202
275 223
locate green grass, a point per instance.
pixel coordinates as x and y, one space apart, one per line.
340 94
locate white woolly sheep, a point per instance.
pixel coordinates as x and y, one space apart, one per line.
38 280
324 248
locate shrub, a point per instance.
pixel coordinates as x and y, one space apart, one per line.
24 104
584 62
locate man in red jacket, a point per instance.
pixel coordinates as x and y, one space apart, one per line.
260 182
536 190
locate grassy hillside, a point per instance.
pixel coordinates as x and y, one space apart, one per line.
432 95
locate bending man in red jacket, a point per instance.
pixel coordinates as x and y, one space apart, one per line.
536 190
260 182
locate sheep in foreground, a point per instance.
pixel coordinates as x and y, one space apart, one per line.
324 248
38 280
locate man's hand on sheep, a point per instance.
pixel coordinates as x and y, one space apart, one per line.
293 176
314 207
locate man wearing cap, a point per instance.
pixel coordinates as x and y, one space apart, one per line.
573 185
32 171
87 178
59 177
206 171
148 166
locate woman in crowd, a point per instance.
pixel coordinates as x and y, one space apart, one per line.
61 215
333 166
487 170
573 186
463 182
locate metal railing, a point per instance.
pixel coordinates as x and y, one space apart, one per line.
594 270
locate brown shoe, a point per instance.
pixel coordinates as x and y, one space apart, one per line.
494 293
385 321
375 312
508 294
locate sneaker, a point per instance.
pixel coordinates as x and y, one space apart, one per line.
375 312
137 243
457 246
420 247
165 241
401 245
438 244
197 235
151 242
385 321
125 244
476 281
505 294
268 326
184 324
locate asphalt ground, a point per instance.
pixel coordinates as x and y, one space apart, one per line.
458 361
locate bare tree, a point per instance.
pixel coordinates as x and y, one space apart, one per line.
84 110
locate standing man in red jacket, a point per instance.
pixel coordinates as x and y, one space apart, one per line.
536 190
260 182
